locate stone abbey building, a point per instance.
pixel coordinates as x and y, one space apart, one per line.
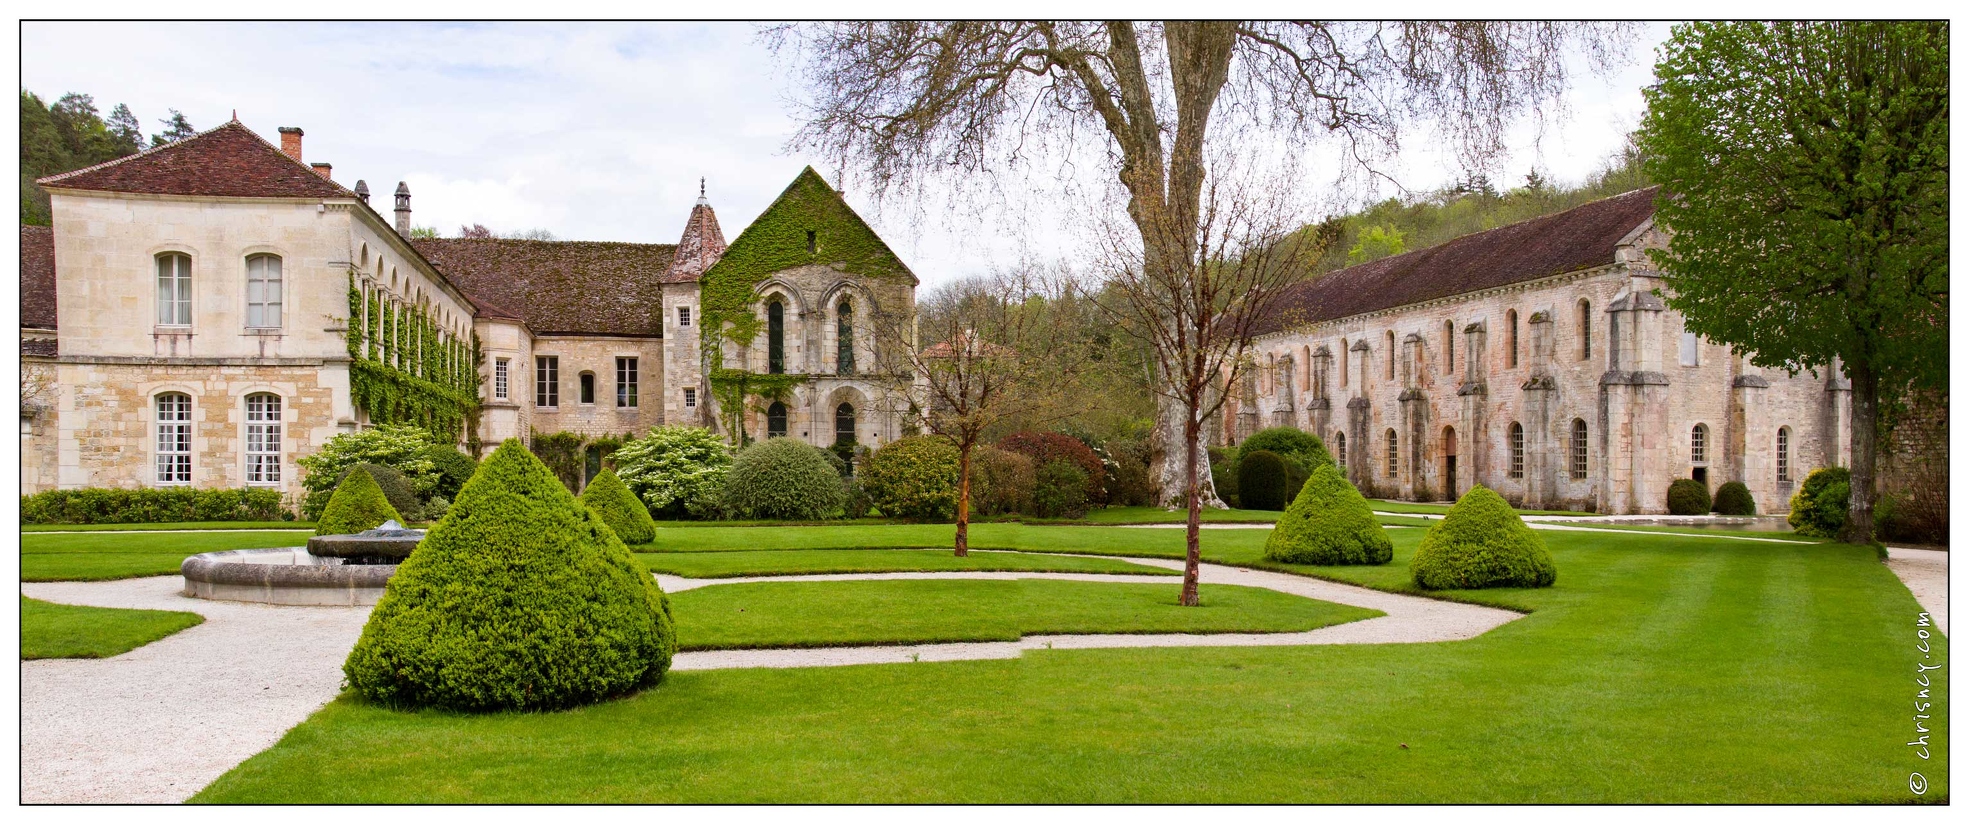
207 312
1539 360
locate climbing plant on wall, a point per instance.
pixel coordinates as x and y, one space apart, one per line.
398 371
808 224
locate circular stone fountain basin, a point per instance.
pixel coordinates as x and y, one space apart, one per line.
284 575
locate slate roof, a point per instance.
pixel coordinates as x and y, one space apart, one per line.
1578 238
229 161
38 277
565 287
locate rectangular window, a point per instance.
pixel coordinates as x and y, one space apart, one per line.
500 369
1784 455
174 290
546 381
174 438
587 388
690 397
625 382
263 439
1517 451
1691 355
263 291
683 316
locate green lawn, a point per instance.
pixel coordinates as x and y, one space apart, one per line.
832 614
794 562
176 525
1388 505
122 555
1110 541
1660 668
61 631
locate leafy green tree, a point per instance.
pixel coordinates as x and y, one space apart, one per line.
63 137
176 128
1374 243
1805 175
126 134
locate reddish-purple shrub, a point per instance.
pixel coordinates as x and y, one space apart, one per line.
1044 447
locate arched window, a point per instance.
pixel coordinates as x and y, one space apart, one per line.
1306 358
263 291
1784 455
1511 337
587 388
1585 329
844 424
174 290
174 438
1517 450
1394 455
776 420
844 339
263 438
1699 445
1391 355
1578 448
1345 356
1340 448
775 337
1449 347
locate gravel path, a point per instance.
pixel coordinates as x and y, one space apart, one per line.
162 721
1925 572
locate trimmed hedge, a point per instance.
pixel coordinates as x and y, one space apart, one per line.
452 468
394 485
1261 480
1302 452
1688 497
1734 499
620 509
521 599
1329 523
151 505
913 478
782 478
1044 447
1001 482
1060 491
1819 506
358 504
1482 543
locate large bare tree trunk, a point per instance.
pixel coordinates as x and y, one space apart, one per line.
1864 420
1168 456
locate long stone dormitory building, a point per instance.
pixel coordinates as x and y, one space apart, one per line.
210 311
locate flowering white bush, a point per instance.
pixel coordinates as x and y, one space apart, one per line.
677 470
402 446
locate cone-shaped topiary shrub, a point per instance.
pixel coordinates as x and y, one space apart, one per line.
394 485
1329 523
783 478
620 509
1261 480
1688 497
1733 499
358 505
1482 543
521 598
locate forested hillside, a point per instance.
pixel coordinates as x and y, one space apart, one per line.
71 134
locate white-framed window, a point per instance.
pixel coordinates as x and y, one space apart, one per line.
1578 448
174 289
546 381
1691 353
683 316
1517 450
1784 455
625 382
1699 445
173 438
1394 457
263 291
690 398
263 438
501 368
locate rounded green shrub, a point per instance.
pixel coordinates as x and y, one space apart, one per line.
1130 485
1329 522
913 478
521 599
394 485
1482 543
1059 490
620 509
782 478
452 468
1001 481
401 446
1734 499
1819 506
1688 497
1289 443
358 504
1261 480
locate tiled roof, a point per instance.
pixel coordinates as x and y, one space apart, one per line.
38 277
229 161
42 347
579 287
703 243
1578 238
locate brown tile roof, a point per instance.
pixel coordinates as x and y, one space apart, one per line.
229 161
700 247
38 277
1578 238
41 347
567 287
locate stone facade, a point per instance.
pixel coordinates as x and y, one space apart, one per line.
814 300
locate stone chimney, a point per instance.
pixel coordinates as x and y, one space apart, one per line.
323 169
403 209
362 191
290 142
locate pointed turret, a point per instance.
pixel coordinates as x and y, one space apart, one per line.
701 246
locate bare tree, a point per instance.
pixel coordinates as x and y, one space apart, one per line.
908 101
997 348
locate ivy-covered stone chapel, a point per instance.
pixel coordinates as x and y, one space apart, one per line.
210 311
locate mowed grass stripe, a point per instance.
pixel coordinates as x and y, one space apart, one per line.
801 562
63 631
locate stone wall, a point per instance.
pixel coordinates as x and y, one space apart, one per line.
597 355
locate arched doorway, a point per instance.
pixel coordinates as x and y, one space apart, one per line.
1449 463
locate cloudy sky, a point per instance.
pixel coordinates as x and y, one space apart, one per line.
594 131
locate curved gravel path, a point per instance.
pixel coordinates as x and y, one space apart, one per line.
1925 572
162 721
